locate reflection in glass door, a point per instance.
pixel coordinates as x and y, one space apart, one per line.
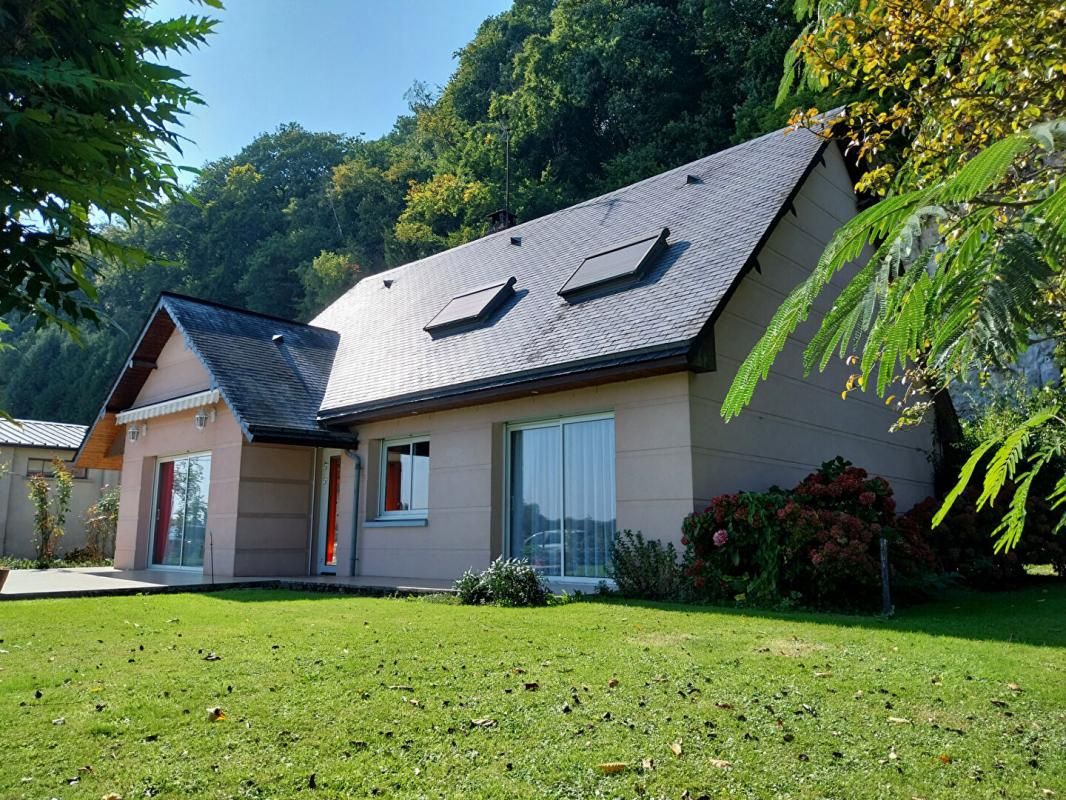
562 496
181 511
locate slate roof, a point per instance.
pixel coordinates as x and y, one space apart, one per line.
34 433
717 222
274 388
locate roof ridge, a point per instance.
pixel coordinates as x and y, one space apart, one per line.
239 310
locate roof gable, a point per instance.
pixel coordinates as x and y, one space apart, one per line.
717 222
270 372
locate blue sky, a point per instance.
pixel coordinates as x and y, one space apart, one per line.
336 65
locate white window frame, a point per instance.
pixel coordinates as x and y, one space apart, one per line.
551 422
155 510
411 514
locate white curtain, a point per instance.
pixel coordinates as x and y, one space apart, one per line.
563 497
588 497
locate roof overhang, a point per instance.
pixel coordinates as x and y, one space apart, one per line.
679 357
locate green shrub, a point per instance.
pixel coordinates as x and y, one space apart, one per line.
645 569
506 582
50 509
101 524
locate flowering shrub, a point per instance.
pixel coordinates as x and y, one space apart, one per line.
818 543
506 582
963 543
732 549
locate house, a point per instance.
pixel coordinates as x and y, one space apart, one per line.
527 394
27 448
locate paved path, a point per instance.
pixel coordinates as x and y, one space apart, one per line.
85 581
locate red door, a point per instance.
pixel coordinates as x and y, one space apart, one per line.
333 489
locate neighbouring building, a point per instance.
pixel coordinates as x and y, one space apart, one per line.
27 448
525 394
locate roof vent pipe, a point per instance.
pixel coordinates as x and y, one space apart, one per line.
278 339
387 282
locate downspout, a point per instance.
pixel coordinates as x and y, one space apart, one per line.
314 520
357 461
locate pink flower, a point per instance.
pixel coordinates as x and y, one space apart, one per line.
867 498
720 537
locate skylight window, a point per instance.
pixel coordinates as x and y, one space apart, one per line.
615 267
471 308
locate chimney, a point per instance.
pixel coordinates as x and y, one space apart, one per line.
501 220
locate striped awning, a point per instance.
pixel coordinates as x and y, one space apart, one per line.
198 400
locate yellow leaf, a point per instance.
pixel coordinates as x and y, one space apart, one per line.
719 763
676 747
612 767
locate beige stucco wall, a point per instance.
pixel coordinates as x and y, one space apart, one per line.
172 435
274 510
796 423
178 372
466 493
16 509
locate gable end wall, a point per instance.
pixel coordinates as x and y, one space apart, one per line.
796 423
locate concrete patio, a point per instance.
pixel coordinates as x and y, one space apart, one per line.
26 584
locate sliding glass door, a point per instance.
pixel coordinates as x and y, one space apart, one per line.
561 502
181 511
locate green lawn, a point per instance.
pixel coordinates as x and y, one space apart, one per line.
962 699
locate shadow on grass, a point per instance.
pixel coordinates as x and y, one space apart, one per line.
1033 615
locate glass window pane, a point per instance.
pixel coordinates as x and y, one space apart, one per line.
199 478
419 469
181 512
395 498
588 497
405 478
536 498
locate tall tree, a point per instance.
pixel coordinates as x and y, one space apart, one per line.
87 116
961 124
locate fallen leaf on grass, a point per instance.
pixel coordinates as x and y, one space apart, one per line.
59 721
400 688
112 796
483 723
999 703
612 683
676 747
723 705
612 767
945 758
215 714
823 674
212 657
719 763
899 721
1014 687
532 686
647 764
